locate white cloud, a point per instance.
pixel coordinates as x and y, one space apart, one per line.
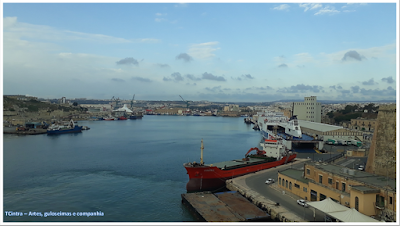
24 30
379 52
302 58
203 50
327 10
281 7
310 6
159 19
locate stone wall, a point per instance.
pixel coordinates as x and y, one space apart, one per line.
382 154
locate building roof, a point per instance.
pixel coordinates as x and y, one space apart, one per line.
295 174
318 126
370 179
364 189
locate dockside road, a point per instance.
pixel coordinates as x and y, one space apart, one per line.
253 187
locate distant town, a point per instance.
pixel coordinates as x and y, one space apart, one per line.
19 109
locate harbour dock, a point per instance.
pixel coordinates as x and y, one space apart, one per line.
227 206
12 130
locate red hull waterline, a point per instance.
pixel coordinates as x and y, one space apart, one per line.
210 178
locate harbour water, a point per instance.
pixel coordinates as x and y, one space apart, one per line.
131 170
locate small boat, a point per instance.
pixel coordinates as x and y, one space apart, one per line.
58 129
85 128
110 118
122 118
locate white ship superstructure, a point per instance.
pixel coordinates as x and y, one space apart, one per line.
272 123
275 148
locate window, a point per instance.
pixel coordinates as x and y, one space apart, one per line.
356 203
321 196
304 189
308 171
337 185
343 186
390 200
279 181
296 186
286 183
290 185
320 179
329 180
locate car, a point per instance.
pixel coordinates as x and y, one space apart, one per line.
302 202
361 167
270 181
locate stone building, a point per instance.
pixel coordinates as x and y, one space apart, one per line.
382 154
363 124
371 195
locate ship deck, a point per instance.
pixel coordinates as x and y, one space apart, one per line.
237 162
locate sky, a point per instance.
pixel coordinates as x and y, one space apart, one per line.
253 52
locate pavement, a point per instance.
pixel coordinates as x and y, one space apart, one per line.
253 187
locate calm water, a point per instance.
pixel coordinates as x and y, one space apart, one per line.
131 170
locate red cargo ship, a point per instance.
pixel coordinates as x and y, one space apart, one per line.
212 177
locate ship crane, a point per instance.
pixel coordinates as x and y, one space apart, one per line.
259 152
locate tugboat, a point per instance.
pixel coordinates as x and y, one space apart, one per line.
57 129
211 177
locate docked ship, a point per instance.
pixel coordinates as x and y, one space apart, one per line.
59 129
212 177
275 125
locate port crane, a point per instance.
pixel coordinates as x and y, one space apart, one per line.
116 101
187 102
132 100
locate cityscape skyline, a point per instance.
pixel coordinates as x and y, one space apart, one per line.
220 52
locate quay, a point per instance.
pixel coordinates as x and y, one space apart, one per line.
223 207
241 203
12 130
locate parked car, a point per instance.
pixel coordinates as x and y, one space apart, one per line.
270 181
361 167
302 202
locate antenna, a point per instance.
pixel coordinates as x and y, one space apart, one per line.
202 148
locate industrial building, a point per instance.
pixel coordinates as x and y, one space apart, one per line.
327 131
309 110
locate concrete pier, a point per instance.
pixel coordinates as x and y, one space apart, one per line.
223 207
12 130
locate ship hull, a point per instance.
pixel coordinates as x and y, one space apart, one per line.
210 178
76 129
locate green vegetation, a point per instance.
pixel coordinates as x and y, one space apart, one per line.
347 117
353 112
9 104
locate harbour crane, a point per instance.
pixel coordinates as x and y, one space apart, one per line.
116 100
132 100
187 102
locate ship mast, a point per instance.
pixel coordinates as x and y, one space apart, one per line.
201 148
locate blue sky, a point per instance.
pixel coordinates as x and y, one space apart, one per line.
201 51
